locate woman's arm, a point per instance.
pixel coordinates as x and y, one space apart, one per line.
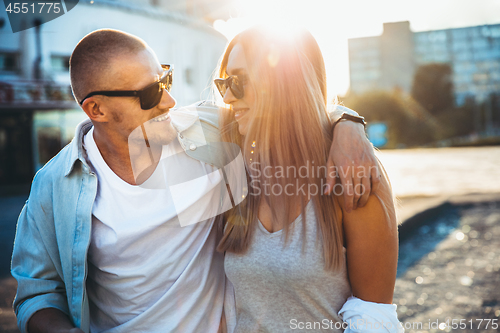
353 156
371 240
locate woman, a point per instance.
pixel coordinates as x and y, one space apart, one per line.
293 255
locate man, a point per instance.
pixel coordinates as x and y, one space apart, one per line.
97 248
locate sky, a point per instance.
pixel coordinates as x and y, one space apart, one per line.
332 22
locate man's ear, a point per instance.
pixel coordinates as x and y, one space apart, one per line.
95 110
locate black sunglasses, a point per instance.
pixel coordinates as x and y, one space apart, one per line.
233 82
149 96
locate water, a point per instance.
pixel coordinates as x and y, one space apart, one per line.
443 171
438 171
426 238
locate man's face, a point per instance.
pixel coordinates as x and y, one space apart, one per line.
135 72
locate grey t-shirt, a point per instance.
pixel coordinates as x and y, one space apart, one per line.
283 289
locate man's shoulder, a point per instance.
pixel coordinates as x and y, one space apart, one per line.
56 168
48 182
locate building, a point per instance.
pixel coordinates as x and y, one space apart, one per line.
37 111
389 61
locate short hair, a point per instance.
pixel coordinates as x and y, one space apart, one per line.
93 54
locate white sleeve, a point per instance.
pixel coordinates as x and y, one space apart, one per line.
368 317
335 112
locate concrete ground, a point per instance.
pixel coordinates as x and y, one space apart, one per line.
454 286
454 273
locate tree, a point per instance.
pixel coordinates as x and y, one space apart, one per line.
408 124
433 87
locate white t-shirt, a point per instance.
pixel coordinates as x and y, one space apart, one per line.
146 272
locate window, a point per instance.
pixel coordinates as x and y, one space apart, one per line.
480 43
9 62
421 37
459 45
437 37
49 143
463 56
459 34
494 31
60 63
475 32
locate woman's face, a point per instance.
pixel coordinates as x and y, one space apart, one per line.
243 107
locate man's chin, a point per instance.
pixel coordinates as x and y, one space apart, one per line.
162 134
151 135
167 137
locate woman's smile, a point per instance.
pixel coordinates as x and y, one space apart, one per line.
238 113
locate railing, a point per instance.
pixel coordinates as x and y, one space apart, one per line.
35 93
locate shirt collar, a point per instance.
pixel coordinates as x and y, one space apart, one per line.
77 152
183 118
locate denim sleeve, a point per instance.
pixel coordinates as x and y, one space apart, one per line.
39 284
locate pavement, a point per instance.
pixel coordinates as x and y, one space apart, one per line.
450 268
442 275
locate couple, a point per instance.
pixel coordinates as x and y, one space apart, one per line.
96 250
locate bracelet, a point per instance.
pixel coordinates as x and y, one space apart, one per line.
347 116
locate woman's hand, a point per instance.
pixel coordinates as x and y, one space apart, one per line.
352 159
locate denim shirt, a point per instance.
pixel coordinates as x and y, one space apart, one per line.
49 259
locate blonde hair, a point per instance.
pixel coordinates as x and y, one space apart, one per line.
290 127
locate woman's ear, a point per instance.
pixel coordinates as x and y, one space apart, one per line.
95 110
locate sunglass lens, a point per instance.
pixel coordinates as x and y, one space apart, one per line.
221 86
236 88
231 83
151 96
167 80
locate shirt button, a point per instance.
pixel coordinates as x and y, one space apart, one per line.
192 146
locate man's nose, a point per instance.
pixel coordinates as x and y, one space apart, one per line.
229 97
167 101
